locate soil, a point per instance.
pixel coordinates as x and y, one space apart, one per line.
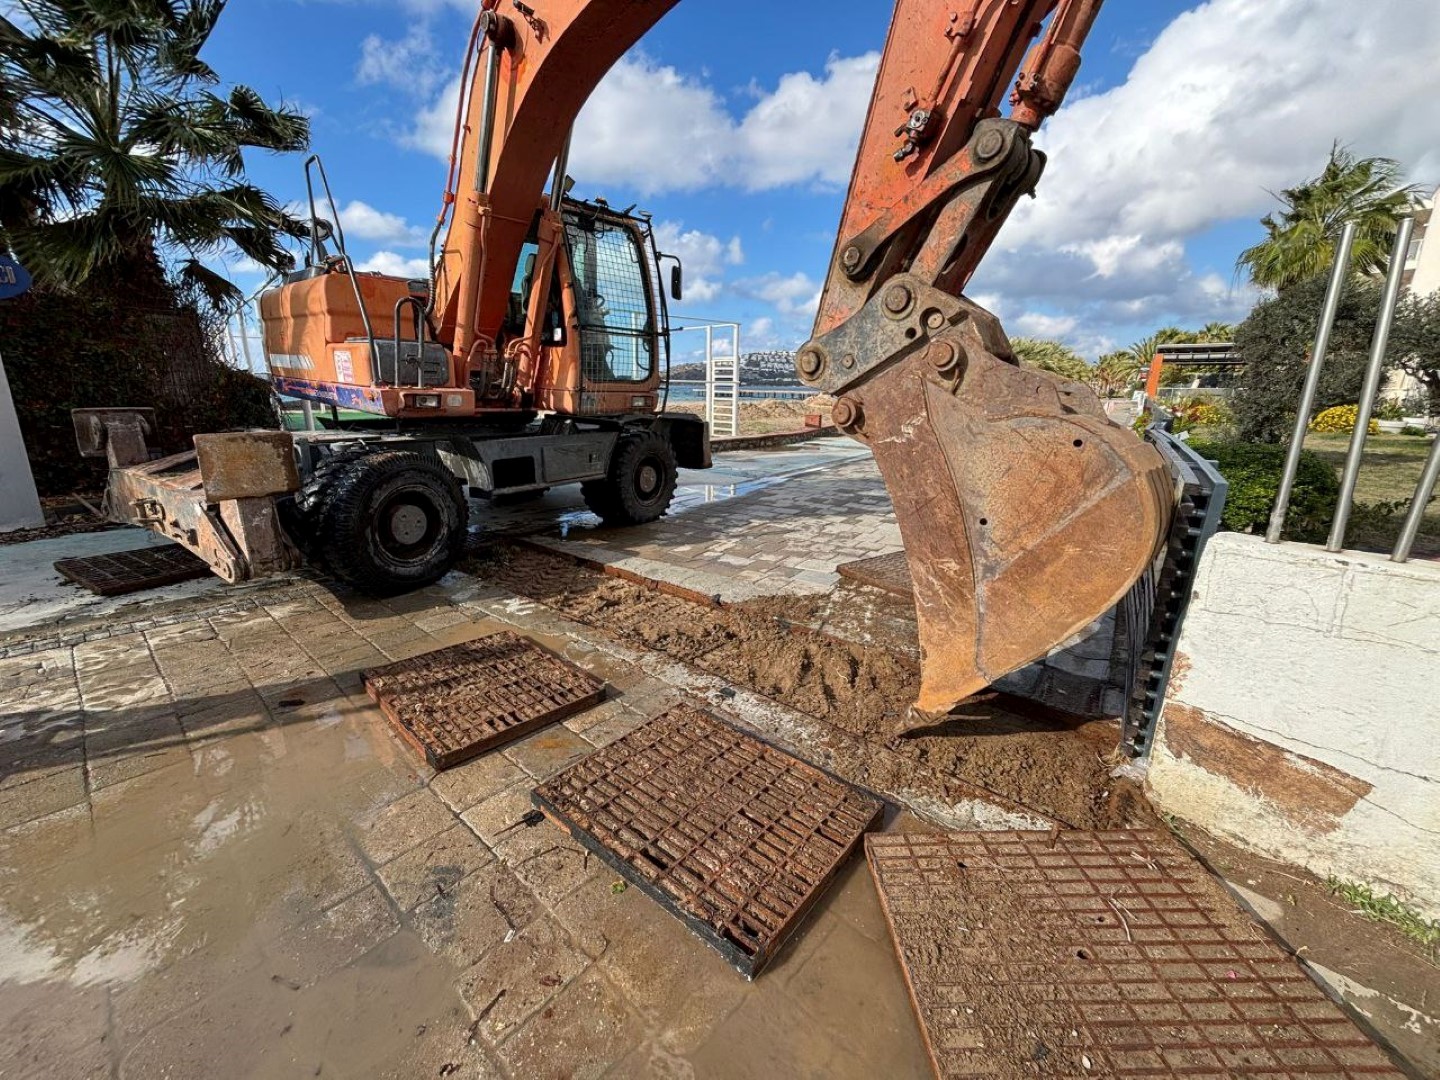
769 415
1048 763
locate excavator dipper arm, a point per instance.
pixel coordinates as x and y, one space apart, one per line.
1025 513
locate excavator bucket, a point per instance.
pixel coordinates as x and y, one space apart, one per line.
1025 512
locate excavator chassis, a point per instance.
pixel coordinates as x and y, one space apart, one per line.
233 500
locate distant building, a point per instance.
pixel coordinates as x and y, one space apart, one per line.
1422 277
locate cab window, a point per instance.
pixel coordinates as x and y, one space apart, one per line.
612 301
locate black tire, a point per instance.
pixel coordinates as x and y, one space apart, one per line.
301 513
641 482
391 521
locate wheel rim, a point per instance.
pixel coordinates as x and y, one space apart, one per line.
408 526
649 480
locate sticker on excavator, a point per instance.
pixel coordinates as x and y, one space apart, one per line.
122 572
459 702
889 573
732 836
1098 954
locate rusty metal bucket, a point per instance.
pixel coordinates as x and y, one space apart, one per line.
1026 513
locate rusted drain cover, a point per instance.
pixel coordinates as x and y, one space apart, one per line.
457 703
124 572
735 837
888 572
1098 954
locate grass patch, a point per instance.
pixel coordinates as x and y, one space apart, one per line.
1388 475
1387 909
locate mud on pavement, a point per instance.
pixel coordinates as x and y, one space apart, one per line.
1024 755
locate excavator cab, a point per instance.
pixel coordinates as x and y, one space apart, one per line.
613 317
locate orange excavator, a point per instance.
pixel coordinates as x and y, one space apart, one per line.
532 354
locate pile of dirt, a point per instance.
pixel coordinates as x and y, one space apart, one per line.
768 415
1028 757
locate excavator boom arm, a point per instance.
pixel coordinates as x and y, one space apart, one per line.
1026 514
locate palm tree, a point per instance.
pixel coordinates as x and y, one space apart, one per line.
1145 349
118 161
1114 372
1052 356
1300 240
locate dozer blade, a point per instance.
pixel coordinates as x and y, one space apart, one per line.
1026 513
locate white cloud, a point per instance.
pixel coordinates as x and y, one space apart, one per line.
363 220
411 63
1235 99
796 294
1039 325
387 262
809 128
653 129
705 257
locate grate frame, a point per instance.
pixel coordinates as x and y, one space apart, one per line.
1100 954
889 572
120 573
457 703
732 836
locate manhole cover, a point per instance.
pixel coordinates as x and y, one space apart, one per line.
888 572
733 836
1098 954
459 702
124 572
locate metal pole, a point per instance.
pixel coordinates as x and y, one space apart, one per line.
710 377
1411 528
1394 280
245 341
1339 273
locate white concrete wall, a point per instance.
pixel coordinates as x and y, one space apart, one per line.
1303 719
19 505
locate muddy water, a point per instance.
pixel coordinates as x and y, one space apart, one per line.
193 898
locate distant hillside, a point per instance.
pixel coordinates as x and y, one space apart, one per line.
757 368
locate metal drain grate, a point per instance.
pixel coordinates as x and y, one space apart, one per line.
456 703
888 572
1098 954
124 572
733 836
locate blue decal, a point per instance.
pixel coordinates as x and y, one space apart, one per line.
14 278
346 397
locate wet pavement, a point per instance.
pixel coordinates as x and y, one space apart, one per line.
217 860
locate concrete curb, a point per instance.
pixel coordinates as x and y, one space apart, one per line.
769 442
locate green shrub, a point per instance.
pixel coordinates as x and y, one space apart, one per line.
1199 412
1253 472
1411 429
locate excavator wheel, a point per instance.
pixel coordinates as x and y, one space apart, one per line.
390 521
300 514
641 483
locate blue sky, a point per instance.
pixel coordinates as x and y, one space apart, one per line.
735 123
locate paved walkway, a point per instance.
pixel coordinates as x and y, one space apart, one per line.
215 859
758 524
218 861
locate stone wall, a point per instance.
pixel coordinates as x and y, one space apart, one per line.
1303 716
